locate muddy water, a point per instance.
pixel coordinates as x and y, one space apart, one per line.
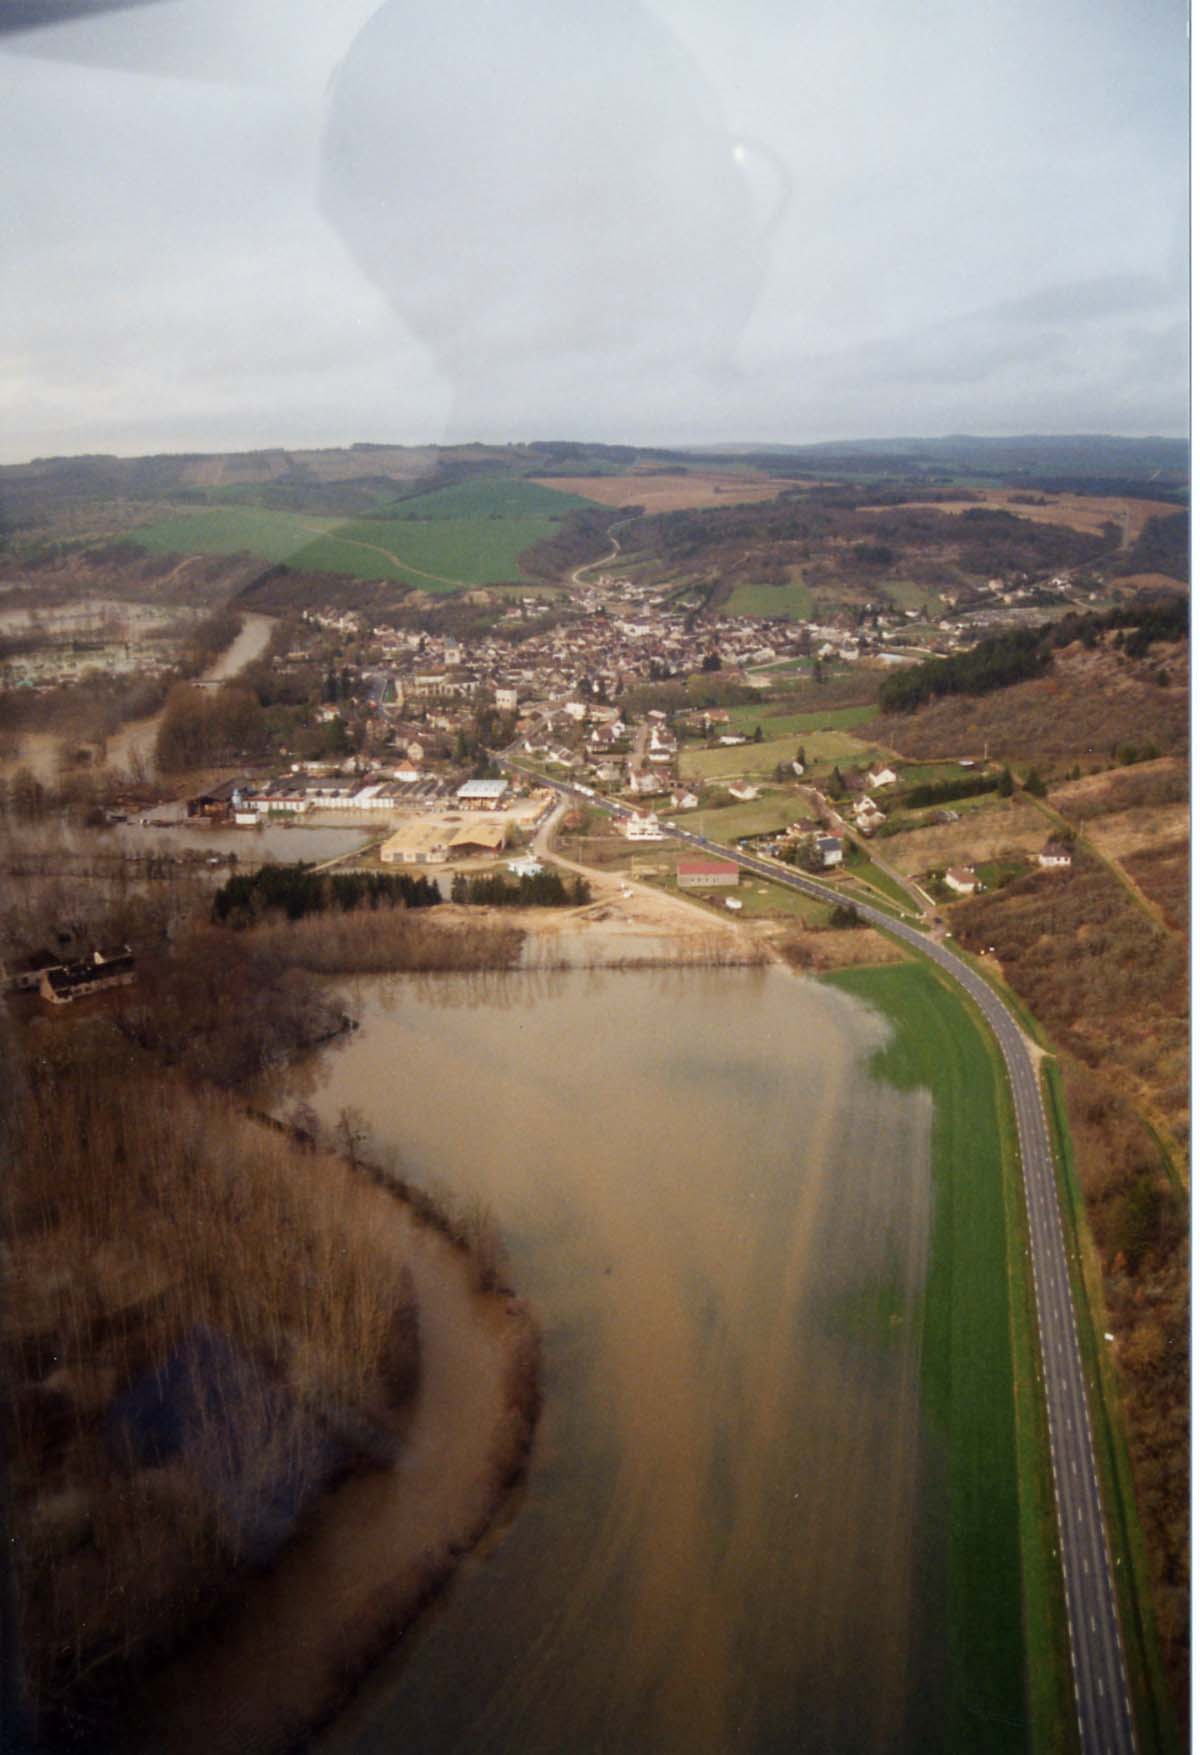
722 1222
39 750
134 743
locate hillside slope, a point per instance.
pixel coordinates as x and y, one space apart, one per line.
1088 704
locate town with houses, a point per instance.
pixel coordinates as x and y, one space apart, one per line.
463 744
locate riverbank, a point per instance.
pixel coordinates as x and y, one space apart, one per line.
383 1544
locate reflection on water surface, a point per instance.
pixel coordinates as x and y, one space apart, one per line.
722 1223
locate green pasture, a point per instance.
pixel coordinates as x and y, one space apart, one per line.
231 530
472 534
725 761
1007 1686
761 816
777 723
503 498
926 773
793 601
907 594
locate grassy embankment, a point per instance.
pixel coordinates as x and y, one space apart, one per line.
1009 1671
472 534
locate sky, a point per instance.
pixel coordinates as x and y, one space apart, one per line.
237 223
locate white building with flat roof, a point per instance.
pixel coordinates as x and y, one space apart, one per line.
482 794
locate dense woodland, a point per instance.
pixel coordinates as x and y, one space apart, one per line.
190 1323
1020 654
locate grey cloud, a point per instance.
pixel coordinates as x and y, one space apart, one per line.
537 214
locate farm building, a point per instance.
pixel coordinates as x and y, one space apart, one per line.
706 874
1056 855
103 969
421 841
478 838
482 794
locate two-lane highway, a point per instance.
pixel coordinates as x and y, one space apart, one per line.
1101 1687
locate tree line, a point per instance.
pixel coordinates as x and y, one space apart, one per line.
932 792
1019 654
297 890
995 663
543 889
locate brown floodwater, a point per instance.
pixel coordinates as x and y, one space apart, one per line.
134 743
728 1534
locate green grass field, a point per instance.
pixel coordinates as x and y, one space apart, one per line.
793 601
472 534
721 762
231 530
503 498
927 773
906 594
991 1519
774 810
785 724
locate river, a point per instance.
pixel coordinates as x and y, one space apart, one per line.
728 1533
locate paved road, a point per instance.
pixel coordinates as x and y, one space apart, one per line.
1101 1687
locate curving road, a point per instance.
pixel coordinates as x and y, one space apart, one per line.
1101 1687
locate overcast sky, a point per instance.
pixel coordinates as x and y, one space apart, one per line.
232 223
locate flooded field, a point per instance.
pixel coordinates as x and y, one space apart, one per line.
730 1529
133 744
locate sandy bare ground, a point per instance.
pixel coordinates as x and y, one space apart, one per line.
375 1547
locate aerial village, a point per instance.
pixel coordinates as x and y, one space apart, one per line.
421 716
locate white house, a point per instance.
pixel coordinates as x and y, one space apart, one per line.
1055 855
961 880
647 828
880 776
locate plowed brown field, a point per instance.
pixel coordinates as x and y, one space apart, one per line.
668 493
1086 512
